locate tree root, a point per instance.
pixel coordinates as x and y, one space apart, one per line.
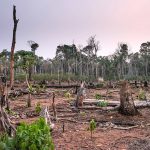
6 125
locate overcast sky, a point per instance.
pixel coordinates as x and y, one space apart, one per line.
54 22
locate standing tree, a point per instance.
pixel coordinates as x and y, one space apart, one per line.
13 48
26 60
145 52
4 57
34 47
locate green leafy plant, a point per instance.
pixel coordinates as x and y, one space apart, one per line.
37 88
142 95
31 89
98 96
35 136
92 127
102 104
6 142
67 95
38 108
83 113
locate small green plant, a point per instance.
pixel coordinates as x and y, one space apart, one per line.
67 95
99 85
83 113
31 89
98 96
35 136
37 88
142 95
102 104
92 127
38 108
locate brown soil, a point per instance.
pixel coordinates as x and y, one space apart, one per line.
76 135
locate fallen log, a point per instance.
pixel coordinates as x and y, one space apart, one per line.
72 86
89 104
125 128
18 92
95 102
95 108
142 104
138 103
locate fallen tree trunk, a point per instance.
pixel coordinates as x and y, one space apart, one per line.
138 103
95 102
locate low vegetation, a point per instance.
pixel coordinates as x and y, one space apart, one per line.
92 127
38 108
98 96
102 104
35 136
142 95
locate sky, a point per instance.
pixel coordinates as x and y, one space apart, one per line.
54 22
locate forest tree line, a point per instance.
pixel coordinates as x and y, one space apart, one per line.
82 62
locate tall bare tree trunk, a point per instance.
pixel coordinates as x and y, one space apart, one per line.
13 47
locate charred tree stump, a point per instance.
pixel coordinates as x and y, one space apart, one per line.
29 100
54 107
127 106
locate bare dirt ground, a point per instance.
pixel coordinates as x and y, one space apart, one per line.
76 122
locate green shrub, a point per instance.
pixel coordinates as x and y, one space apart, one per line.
50 77
38 108
99 85
92 126
35 136
67 95
39 88
98 96
102 104
142 95
6 142
83 113
20 77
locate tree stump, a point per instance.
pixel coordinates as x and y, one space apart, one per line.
127 106
54 107
5 122
81 94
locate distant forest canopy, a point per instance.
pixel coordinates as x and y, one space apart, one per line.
82 63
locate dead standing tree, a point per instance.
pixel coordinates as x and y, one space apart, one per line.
127 106
13 48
